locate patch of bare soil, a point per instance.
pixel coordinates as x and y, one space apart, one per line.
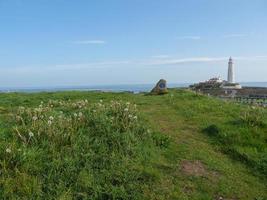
193 168
198 169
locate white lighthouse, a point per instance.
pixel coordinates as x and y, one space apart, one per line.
231 76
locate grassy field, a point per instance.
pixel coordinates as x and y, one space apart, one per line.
93 145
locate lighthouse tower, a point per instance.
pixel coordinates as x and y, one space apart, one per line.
231 77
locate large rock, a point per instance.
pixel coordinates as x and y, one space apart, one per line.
160 88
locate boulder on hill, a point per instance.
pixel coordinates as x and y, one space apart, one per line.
160 88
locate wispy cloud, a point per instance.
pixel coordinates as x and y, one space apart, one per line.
89 42
103 64
234 35
188 38
66 67
161 56
251 58
195 37
150 62
176 61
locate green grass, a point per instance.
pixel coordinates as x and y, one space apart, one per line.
108 154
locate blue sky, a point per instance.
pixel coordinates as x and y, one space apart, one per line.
100 42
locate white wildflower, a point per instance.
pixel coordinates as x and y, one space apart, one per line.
130 116
22 108
128 103
126 110
34 118
75 114
31 134
8 150
80 107
101 101
86 101
135 117
49 122
18 117
94 111
51 118
80 114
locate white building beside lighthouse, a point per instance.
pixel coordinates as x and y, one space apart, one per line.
217 83
231 73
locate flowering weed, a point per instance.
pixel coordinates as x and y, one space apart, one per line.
87 151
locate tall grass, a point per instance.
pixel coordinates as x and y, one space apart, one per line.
77 150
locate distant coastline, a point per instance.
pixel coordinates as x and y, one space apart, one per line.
254 84
110 88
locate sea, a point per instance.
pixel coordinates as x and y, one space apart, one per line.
135 88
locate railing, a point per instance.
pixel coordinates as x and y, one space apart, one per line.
252 100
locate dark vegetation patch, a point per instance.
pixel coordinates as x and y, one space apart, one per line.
161 140
212 130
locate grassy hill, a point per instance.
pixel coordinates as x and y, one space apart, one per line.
93 145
